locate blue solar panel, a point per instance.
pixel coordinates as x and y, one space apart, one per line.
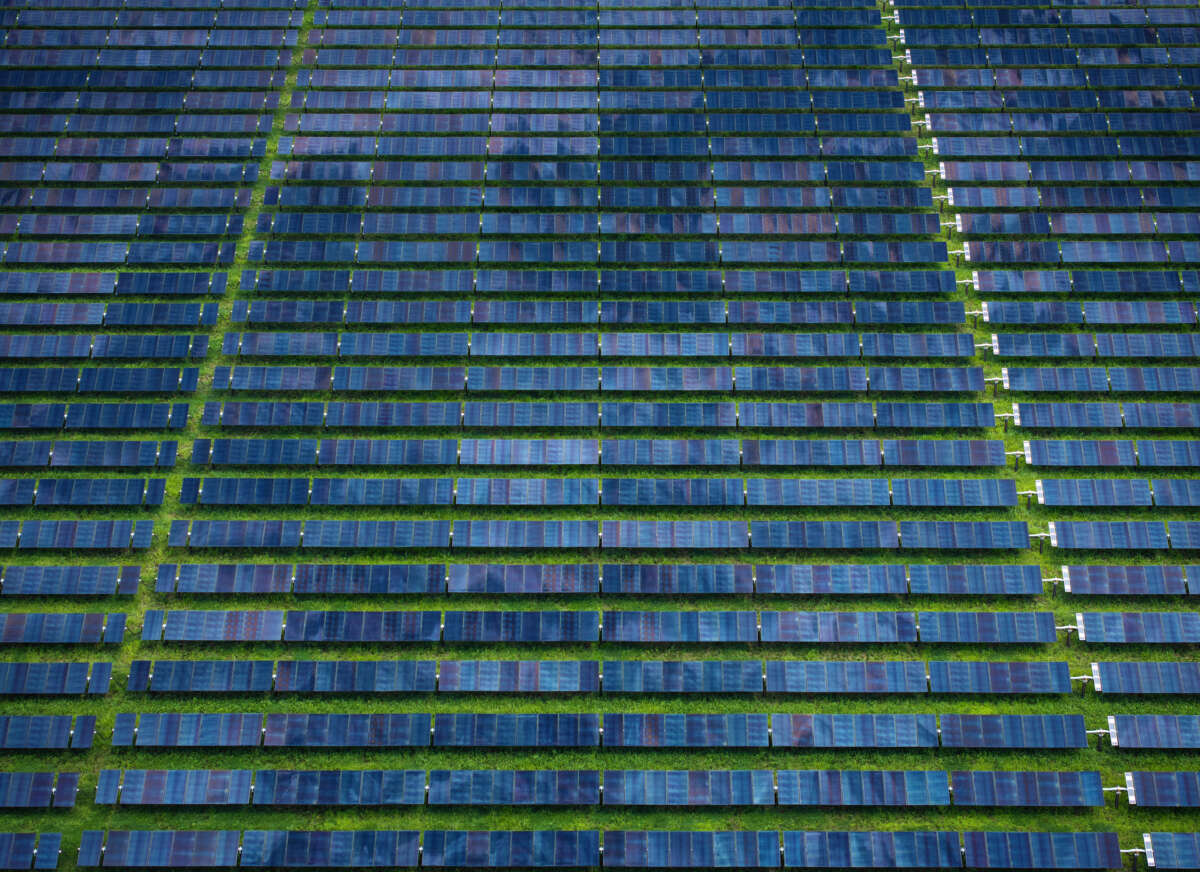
975 580
69 580
358 578
1163 789
660 849
347 626
326 848
356 676
832 787
816 492
506 787
854 731
685 731
1038 789
923 849
516 731
341 731
182 786
964 534
712 627
201 676
1146 678
1154 731
505 849
959 676
1013 731
987 627
640 787
942 492
1161 628
1010 850
847 579
827 677
709 676
668 579
824 534
371 787
518 676
1124 580
1172 850
838 627
1108 535
38 790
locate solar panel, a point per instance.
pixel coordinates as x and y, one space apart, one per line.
355 676
641 787
1002 732
668 579
854 731
960 676
342 730
517 730
838 627
1124 580
339 787
1140 628
987 627
975 580
659 849
38 790
925 849
358 578
213 848
187 730
708 676
361 626
508 849
1007 850
685 731
1172 850
329 848
201 676
842 677
490 787
182 786
1163 789
833 787
1038 789
712 627
1108 535
1146 678
518 676
848 579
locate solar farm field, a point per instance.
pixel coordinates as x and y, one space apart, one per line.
650 434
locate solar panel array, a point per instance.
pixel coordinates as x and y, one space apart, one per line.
758 407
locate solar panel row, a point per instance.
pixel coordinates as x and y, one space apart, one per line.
501 311
1124 535
584 491
108 535
637 787
291 534
557 345
550 626
627 677
615 578
560 378
43 678
622 849
619 730
716 415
